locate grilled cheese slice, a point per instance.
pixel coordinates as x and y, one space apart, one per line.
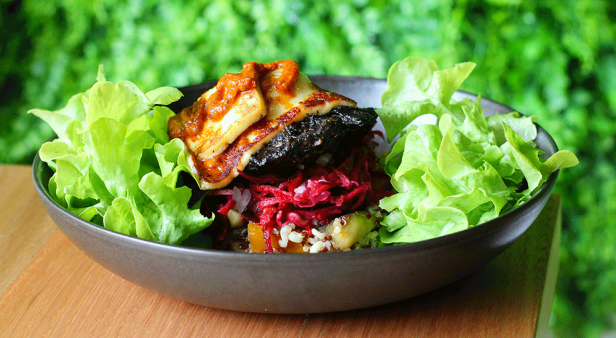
232 121
217 135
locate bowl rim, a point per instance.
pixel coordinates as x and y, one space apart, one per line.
469 234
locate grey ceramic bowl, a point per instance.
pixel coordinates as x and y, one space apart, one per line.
301 283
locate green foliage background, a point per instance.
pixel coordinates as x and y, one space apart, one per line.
556 60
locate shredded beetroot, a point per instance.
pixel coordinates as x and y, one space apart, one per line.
313 196
267 236
226 207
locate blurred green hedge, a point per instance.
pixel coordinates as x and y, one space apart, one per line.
556 60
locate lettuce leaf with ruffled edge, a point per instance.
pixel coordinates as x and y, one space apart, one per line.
463 171
115 166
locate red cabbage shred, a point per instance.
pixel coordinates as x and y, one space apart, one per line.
313 196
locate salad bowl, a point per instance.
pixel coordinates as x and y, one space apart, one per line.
302 283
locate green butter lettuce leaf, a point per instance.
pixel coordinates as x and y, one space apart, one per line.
450 160
119 217
463 171
417 87
521 125
158 123
396 118
420 79
115 166
55 149
424 141
59 120
163 95
171 210
526 156
127 104
431 222
172 157
116 156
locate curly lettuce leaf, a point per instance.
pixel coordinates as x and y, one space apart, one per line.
115 166
463 171
417 87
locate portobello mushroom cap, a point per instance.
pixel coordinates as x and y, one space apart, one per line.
305 141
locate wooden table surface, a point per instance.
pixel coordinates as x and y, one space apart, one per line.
49 288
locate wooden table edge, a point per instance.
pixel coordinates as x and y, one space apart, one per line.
549 288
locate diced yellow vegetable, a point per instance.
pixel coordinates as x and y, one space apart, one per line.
257 242
348 229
